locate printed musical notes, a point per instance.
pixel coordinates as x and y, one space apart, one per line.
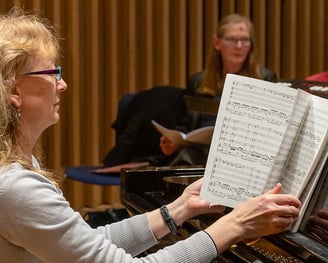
265 133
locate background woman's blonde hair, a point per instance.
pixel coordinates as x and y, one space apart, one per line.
23 38
213 80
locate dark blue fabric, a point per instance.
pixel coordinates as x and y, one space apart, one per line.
84 174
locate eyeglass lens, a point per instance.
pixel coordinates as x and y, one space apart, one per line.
234 41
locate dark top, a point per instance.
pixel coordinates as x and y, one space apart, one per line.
195 80
136 138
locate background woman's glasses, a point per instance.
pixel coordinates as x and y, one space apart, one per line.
232 41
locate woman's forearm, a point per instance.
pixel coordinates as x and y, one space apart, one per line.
177 210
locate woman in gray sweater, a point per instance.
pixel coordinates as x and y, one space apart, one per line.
36 222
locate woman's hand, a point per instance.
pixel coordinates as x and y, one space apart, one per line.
167 147
189 204
195 204
266 214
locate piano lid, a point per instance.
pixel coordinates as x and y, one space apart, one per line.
207 105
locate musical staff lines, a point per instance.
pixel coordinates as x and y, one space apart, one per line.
265 133
238 187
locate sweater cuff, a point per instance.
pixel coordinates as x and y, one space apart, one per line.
197 248
217 249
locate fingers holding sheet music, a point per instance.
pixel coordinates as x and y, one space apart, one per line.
281 210
266 214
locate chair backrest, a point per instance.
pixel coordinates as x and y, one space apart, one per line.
122 104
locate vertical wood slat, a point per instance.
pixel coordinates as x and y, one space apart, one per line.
195 37
209 28
145 46
166 38
325 36
73 41
274 38
161 41
228 7
289 38
303 28
114 47
316 37
131 22
245 7
177 52
259 21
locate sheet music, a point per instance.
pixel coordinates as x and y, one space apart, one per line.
309 146
301 107
250 127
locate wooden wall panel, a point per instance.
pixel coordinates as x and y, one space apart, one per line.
112 47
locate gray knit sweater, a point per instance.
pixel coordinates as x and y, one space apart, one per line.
37 224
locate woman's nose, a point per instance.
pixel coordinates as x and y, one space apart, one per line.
61 85
239 43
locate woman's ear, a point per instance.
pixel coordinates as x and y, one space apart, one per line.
14 96
216 42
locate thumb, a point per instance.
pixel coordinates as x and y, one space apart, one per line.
275 190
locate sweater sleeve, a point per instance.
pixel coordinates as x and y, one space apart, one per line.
133 234
36 220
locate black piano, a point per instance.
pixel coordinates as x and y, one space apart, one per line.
145 189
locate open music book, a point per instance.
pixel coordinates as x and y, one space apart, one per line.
201 135
265 133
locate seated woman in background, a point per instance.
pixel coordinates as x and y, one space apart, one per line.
234 51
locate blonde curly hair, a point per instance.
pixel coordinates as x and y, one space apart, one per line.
23 37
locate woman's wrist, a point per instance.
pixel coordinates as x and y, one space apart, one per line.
168 219
226 234
179 211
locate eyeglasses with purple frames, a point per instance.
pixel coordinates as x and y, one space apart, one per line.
57 72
